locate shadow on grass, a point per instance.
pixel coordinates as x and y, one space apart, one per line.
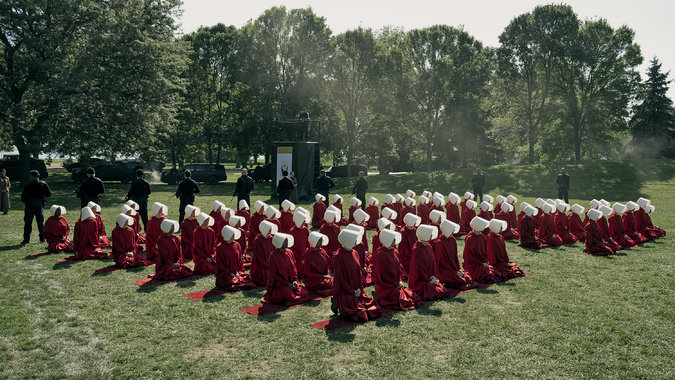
427 310
486 291
388 321
64 265
11 247
343 335
269 318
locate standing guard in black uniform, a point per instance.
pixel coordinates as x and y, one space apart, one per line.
187 188
139 193
243 188
34 195
478 181
360 189
284 188
323 184
563 182
90 189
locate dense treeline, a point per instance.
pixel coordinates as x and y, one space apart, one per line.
88 78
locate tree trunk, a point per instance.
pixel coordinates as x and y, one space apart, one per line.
24 164
429 155
530 141
577 143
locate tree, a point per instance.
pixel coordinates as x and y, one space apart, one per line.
653 123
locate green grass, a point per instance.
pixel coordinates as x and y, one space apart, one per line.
576 316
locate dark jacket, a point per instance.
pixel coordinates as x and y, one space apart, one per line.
360 187
244 186
90 187
187 188
140 189
563 181
478 181
35 190
323 184
284 188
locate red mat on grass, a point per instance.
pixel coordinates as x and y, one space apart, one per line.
114 268
339 323
152 282
267 308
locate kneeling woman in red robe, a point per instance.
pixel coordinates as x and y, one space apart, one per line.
528 229
262 248
497 256
562 226
257 218
475 260
140 236
505 211
547 232
576 226
168 265
300 234
187 229
238 223
616 230
230 273
349 298
408 239
390 290
452 209
361 248
125 251
319 210
282 284
630 225
243 212
286 216
595 244
153 230
644 221
317 264
57 231
447 263
331 229
86 237
422 278
468 214
373 212
205 242
104 242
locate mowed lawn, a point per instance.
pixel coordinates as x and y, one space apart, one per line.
576 316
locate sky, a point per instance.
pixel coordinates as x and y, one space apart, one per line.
652 20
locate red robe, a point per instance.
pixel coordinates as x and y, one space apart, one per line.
646 227
576 226
376 246
187 229
86 239
317 265
467 215
630 227
387 275
374 214
332 231
595 245
286 222
422 267
56 234
364 262
140 237
452 214
617 232
423 210
254 227
547 233
562 228
346 281
205 243
168 253
405 210
300 245
408 240
153 231
262 248
247 217
123 241
398 207
282 273
230 268
604 228
498 258
242 245
510 232
317 215
474 259
528 234
103 236
513 219
447 264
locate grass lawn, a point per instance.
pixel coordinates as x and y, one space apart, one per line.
576 316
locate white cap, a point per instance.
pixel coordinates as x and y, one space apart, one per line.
133 205
594 214
356 201
471 204
303 210
547 208
388 198
398 197
272 212
225 211
124 218
426 232
358 229
650 208
389 213
563 207
287 205
453 198
94 206
267 227
331 216
228 232
438 201
618 208
506 207
389 237
314 238
449 228
86 213
126 209
539 202
216 205
606 210
189 209
169 226
361 216
300 218
437 216
479 224
319 198
243 205
632 206
410 194
279 239
438 195
202 217
412 220
410 202
511 199
159 207
643 201
497 225
349 238
523 205
485 206
468 195
488 198
427 193
57 207
384 223
604 202
237 221
594 203
259 205
530 211
578 209
372 201
423 199
333 208
500 199
337 197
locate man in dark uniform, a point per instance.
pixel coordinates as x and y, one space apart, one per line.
243 188
34 195
187 188
139 192
284 188
323 184
563 182
478 181
360 189
90 189
304 125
